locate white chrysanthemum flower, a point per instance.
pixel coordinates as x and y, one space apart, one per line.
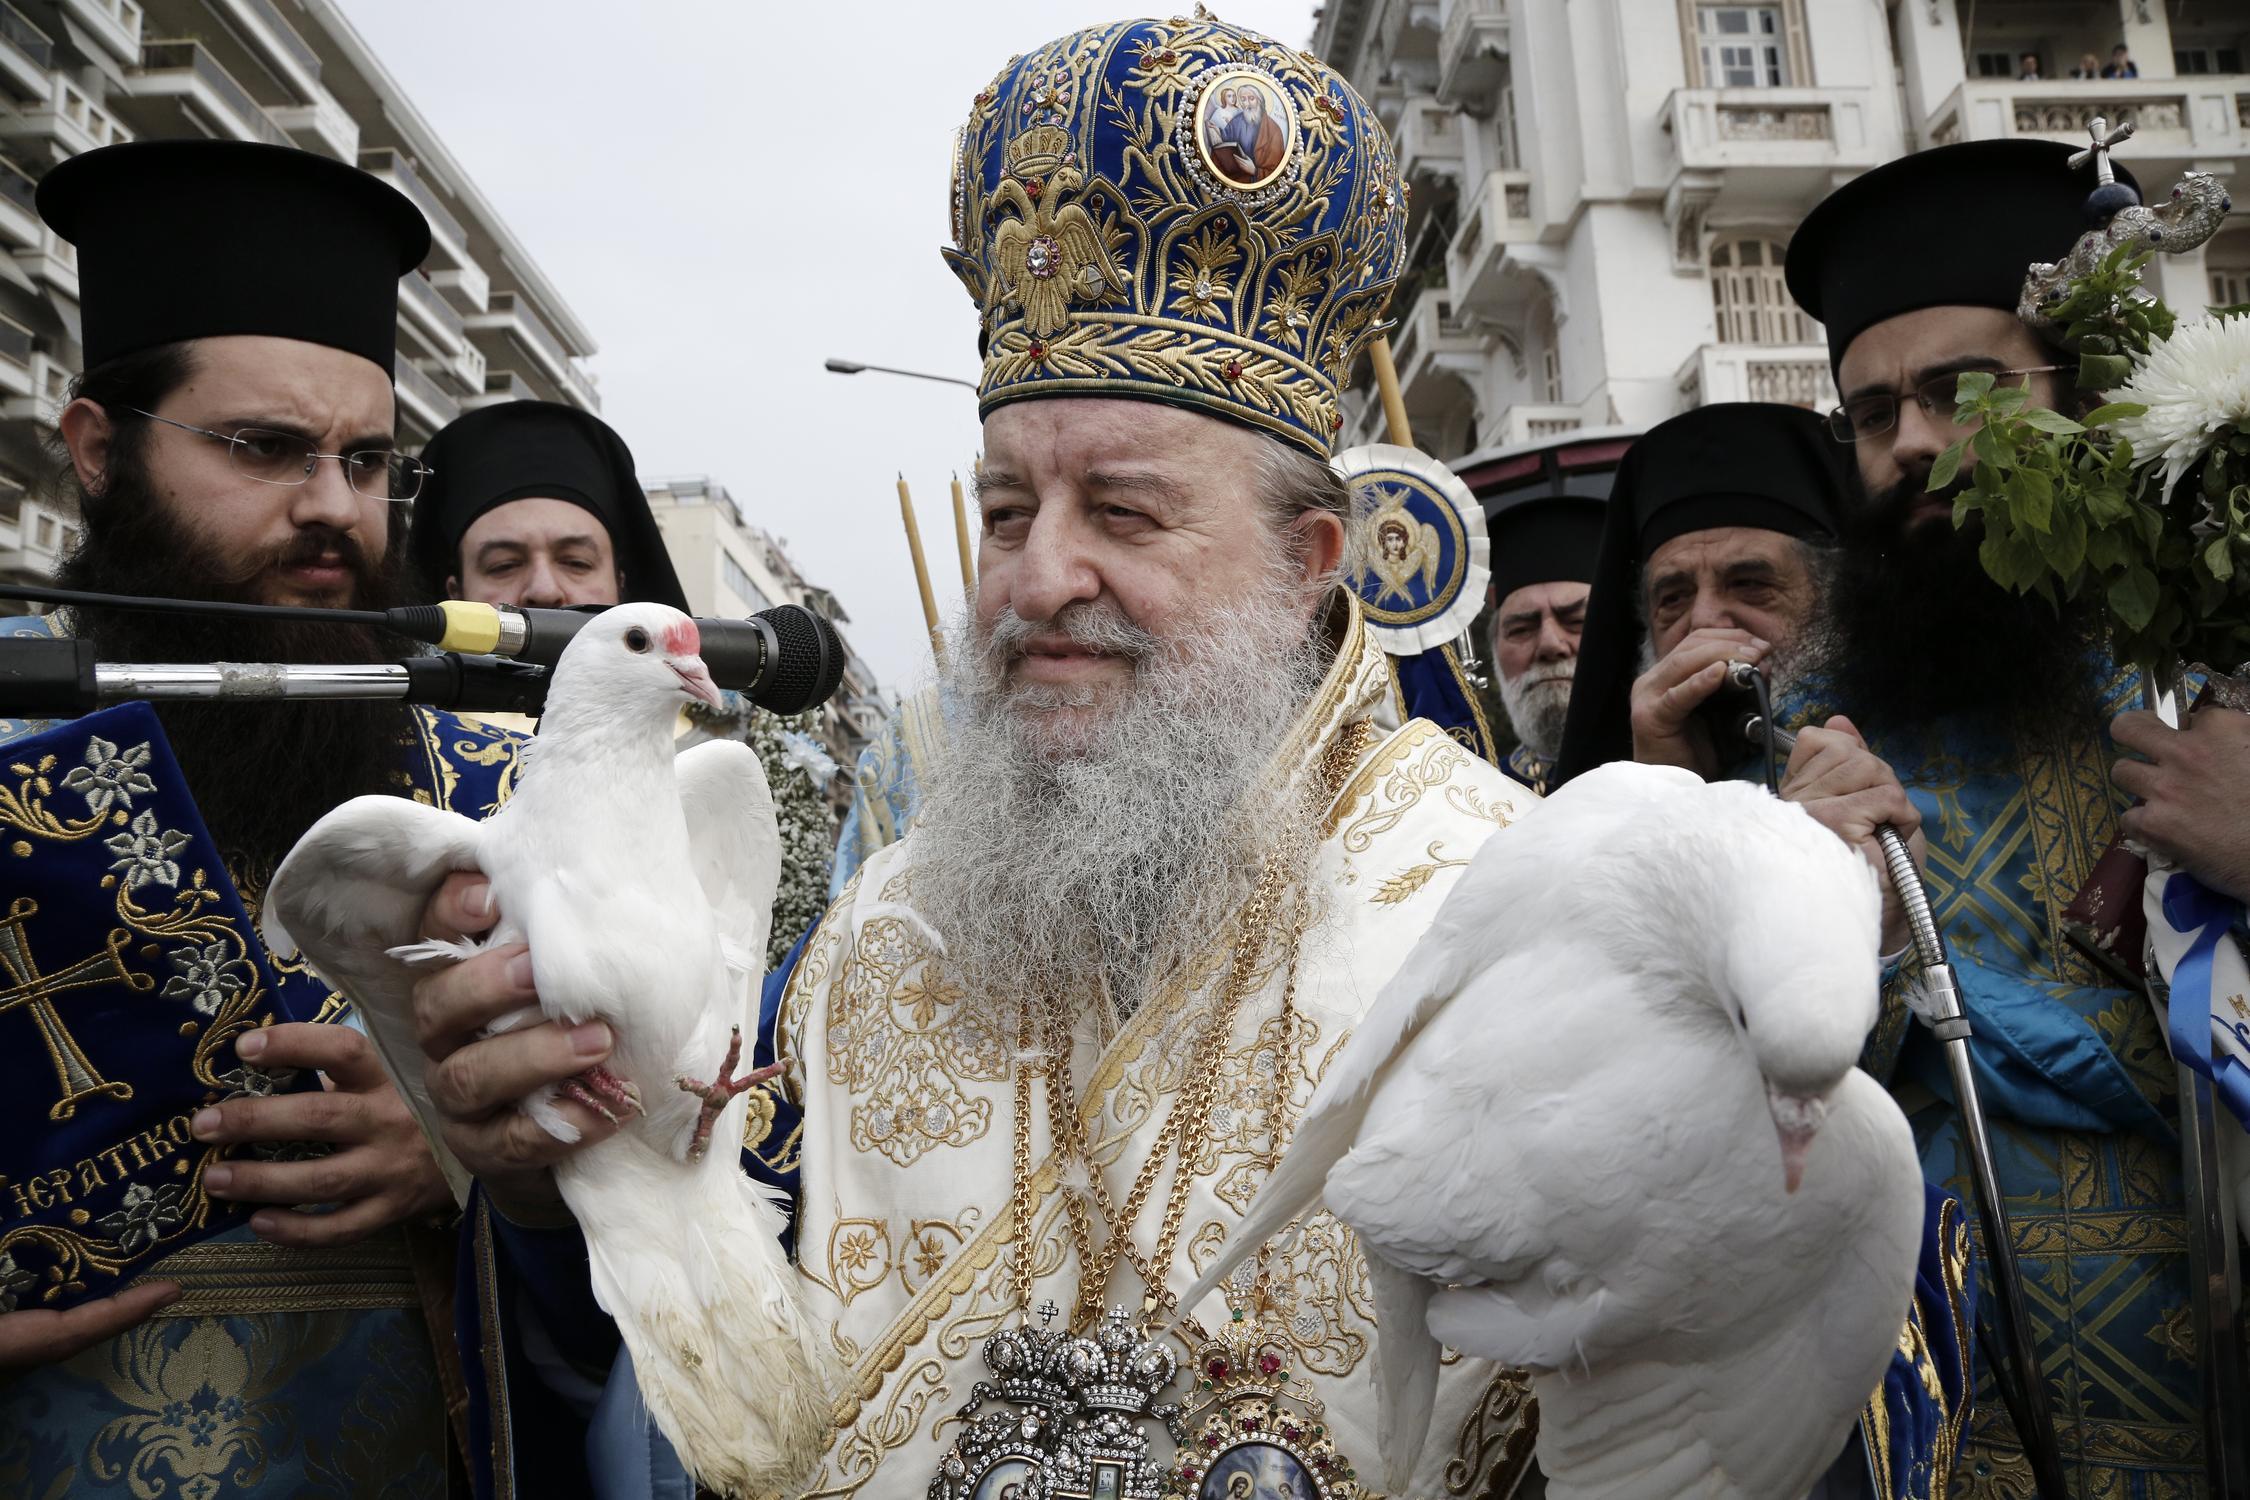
2194 383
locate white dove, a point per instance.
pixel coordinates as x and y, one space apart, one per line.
1571 1131
620 866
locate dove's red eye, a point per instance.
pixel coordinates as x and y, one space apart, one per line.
636 639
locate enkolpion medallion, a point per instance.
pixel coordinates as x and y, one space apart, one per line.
1081 1413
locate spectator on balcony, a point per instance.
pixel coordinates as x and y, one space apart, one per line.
1713 551
536 504
2028 68
2121 64
2089 66
1543 550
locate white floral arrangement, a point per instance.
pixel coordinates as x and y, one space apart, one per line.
2143 502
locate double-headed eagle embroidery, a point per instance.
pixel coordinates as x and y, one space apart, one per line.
1051 253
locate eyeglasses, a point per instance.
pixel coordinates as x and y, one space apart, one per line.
272 457
1865 416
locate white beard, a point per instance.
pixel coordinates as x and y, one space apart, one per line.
1537 702
1098 862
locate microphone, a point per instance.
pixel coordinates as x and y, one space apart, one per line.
786 659
59 677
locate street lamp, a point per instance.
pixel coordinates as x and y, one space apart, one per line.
853 367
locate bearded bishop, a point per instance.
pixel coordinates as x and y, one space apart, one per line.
1044 1049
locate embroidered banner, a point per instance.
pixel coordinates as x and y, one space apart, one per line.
128 968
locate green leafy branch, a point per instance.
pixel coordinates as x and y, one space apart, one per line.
2110 320
2066 516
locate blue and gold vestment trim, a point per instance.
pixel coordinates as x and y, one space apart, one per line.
2075 1077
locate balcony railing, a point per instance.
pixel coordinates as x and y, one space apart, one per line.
1429 139
192 59
1824 129
394 165
532 328
508 385
25 37
1526 422
299 50
2198 115
1472 50
1499 217
117 22
416 289
71 116
1785 374
16 342
17 186
431 400
511 314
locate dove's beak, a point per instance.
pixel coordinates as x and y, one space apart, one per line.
1796 1119
695 679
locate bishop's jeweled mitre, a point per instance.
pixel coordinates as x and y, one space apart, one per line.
1181 210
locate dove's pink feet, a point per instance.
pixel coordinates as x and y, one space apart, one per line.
717 1096
604 1093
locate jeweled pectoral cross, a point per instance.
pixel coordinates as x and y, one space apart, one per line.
2098 153
27 987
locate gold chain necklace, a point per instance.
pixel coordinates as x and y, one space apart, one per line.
1074 1423
1183 1136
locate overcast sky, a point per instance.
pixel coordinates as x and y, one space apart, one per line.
727 194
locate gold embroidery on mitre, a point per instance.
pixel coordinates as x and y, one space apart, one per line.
1050 255
1227 205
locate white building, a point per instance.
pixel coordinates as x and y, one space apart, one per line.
729 568
1602 190
482 325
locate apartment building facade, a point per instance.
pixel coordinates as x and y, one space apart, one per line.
479 323
1602 190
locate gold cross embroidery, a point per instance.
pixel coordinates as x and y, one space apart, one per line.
74 1071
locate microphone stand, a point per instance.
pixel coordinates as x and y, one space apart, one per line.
58 677
1942 1011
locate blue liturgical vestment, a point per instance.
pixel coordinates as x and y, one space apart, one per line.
1532 770
2079 1088
278 1371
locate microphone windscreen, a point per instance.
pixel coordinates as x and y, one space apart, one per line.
808 663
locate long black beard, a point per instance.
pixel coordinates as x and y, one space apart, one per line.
1918 631
261 774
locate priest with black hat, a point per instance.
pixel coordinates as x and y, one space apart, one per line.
1543 551
233 440
1712 552
1990 712
536 504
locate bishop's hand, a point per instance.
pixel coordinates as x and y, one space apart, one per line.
477 1082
